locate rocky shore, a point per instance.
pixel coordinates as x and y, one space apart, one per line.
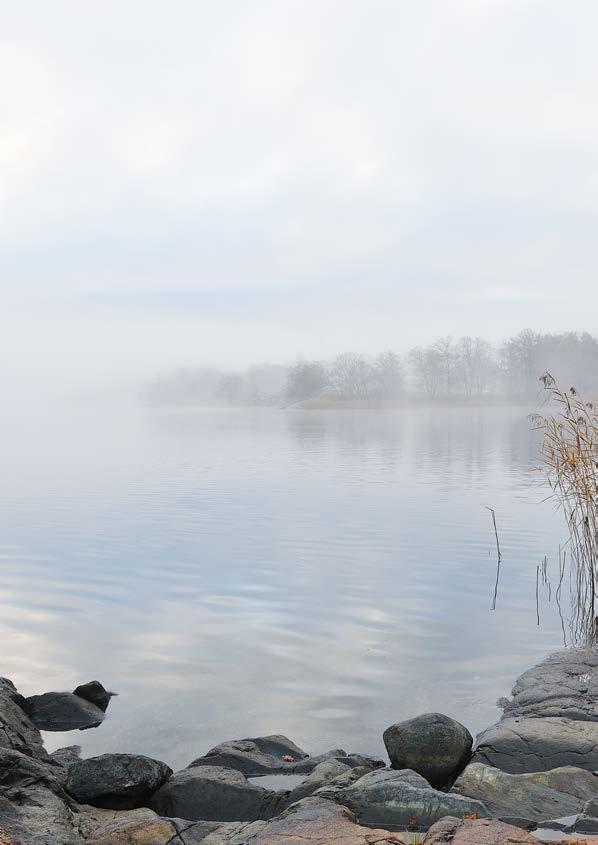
528 778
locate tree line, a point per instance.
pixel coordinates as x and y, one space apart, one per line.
447 368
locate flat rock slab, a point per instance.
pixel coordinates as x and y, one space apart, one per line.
116 781
400 799
534 796
552 719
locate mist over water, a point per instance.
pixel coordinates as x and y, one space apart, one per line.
239 572
269 207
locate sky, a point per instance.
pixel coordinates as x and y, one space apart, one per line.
194 182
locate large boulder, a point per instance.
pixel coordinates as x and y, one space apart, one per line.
434 745
116 781
17 731
535 796
551 720
456 831
400 799
214 793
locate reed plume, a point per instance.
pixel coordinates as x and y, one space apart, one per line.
570 465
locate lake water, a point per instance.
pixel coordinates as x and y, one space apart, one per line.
235 573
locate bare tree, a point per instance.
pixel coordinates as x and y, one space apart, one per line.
351 376
427 369
387 376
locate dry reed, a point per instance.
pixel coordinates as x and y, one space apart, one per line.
570 464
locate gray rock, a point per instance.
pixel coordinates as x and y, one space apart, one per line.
95 692
524 744
17 731
33 806
551 720
116 781
587 821
66 756
322 774
563 685
95 823
434 745
312 821
213 793
257 756
63 711
534 796
400 799
264 755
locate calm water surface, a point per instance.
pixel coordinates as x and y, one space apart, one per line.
319 574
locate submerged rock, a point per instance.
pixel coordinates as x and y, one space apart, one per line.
535 796
400 799
433 745
551 720
63 711
116 781
215 793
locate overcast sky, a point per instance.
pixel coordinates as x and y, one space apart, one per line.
187 182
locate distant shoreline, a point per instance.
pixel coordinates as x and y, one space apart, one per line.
327 404
411 402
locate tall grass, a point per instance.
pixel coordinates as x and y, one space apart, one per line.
570 464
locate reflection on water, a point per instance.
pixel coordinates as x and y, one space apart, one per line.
319 574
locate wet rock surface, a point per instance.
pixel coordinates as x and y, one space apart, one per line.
433 745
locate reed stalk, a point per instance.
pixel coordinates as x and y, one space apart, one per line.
570 465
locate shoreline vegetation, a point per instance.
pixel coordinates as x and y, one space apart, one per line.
466 370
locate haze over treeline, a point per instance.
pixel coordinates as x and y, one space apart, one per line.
463 367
